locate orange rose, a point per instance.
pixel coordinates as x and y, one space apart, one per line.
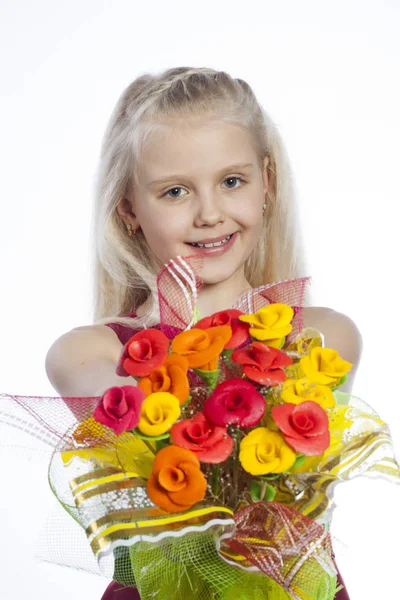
176 482
202 347
170 377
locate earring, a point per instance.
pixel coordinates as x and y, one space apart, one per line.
130 232
264 207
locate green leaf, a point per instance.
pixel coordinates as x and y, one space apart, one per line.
270 493
227 353
270 477
299 461
255 490
141 435
341 381
262 491
209 377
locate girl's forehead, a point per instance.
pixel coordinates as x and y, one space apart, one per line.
183 148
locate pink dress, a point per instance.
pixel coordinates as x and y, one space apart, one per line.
115 591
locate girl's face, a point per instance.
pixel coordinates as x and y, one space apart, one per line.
200 184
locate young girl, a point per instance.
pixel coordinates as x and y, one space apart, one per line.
191 164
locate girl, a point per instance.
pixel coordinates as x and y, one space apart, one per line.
191 164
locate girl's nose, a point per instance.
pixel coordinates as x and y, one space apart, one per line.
209 211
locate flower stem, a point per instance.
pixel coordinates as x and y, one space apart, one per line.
263 488
235 479
215 479
150 447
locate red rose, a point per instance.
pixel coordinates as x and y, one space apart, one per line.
305 427
235 402
209 442
263 364
142 353
240 330
120 408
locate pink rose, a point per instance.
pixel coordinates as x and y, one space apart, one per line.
120 408
235 402
209 442
305 427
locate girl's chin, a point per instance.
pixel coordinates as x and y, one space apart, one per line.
211 275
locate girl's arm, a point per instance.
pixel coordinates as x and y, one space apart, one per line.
340 333
82 362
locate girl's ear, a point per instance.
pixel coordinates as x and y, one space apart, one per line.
125 210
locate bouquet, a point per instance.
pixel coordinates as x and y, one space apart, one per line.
211 475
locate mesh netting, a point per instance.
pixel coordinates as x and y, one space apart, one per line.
100 480
286 545
178 285
289 292
222 548
190 567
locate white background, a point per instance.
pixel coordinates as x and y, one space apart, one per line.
328 73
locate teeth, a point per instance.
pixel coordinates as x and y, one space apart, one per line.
215 244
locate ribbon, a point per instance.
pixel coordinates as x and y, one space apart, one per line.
179 283
287 546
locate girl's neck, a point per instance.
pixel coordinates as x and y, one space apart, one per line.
213 297
221 296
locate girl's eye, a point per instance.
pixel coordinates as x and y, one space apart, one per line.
176 189
173 190
234 179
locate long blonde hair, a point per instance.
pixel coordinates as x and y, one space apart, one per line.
123 276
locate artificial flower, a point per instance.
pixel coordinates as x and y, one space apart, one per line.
305 427
202 347
176 482
170 377
263 364
160 410
296 391
211 443
240 330
119 408
271 323
235 402
263 451
324 366
142 353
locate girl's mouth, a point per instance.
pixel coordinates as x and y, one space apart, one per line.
211 245
214 248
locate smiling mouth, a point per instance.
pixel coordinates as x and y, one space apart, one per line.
211 245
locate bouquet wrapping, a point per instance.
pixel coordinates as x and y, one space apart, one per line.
212 474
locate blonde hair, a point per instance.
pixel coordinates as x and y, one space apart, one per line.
123 276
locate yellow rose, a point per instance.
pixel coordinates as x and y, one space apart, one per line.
270 324
159 412
324 366
296 391
263 451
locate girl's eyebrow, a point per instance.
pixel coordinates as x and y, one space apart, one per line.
171 178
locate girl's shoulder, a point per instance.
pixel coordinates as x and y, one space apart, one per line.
83 360
340 333
122 332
